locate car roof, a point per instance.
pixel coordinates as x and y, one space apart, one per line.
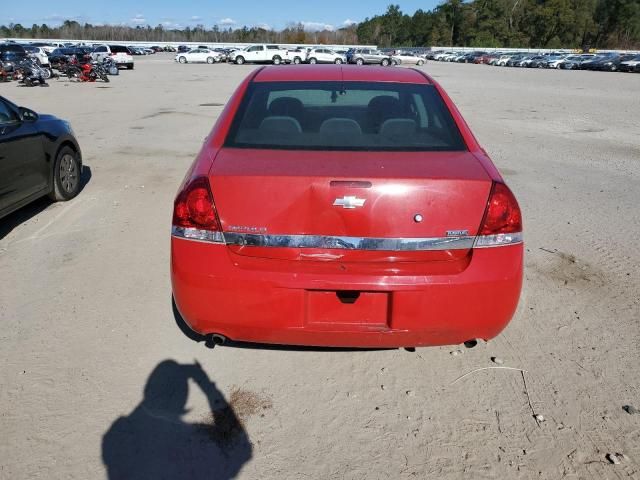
337 73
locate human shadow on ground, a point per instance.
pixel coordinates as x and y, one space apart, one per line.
154 442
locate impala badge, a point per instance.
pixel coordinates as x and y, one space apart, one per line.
349 202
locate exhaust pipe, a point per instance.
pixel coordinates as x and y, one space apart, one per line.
214 339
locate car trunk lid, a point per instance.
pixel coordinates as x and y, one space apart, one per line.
349 206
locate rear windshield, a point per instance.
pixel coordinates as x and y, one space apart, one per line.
119 49
344 116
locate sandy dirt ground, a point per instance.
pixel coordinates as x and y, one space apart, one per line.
97 380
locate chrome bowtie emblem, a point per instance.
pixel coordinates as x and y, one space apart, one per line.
349 202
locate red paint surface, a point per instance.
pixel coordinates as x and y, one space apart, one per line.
284 295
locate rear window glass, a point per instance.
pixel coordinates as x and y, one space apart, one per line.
119 49
344 116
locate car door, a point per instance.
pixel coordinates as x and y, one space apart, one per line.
256 53
23 167
100 53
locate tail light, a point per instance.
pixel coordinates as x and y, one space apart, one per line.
194 213
502 223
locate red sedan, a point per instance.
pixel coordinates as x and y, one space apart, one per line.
341 206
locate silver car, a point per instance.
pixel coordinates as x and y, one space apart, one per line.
370 56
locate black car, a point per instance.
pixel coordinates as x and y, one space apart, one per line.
39 155
610 63
11 54
60 56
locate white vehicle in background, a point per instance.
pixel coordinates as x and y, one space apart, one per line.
325 55
262 53
407 58
199 55
118 53
503 59
39 54
440 56
298 55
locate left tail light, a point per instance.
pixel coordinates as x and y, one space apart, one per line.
194 213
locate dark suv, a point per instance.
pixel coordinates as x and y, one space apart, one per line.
11 54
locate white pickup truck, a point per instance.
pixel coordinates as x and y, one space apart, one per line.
262 53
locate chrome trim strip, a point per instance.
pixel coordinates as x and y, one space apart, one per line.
348 243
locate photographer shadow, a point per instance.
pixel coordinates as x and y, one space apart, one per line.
154 441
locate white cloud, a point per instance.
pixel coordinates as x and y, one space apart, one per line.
264 26
138 20
317 26
227 21
196 18
348 22
171 25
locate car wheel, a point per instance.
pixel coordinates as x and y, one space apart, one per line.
182 60
296 60
277 60
420 63
337 61
359 61
210 60
384 62
47 73
313 61
66 175
239 60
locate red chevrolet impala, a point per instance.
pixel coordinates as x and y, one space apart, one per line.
341 206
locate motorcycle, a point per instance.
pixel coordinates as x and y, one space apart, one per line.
29 73
85 70
110 66
4 75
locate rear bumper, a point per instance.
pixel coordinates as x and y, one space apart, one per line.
215 292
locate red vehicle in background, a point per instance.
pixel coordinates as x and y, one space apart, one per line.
341 206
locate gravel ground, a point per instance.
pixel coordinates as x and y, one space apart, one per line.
85 304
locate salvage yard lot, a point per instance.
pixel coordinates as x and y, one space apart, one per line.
85 302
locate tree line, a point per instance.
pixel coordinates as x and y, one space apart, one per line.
510 23
470 23
294 33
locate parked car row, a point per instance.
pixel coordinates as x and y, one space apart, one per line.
275 54
609 61
13 53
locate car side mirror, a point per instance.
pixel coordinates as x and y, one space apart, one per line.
27 115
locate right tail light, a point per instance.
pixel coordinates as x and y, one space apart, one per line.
502 223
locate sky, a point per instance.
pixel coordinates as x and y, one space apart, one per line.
315 15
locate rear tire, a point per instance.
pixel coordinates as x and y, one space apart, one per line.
337 61
182 60
384 62
297 61
47 73
313 61
67 171
210 60
277 60
359 61
420 63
